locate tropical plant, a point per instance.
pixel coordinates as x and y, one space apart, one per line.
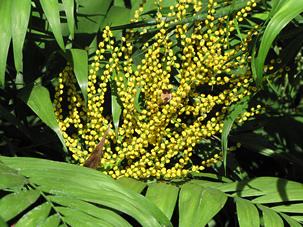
46 193
48 35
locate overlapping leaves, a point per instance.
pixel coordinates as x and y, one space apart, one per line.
47 193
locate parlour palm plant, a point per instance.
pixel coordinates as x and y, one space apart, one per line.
190 111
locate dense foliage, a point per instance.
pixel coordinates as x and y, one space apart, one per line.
199 100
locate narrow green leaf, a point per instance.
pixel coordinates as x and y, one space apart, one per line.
280 196
211 176
20 17
270 217
38 100
80 66
132 184
208 183
5 37
69 12
35 217
292 222
273 184
108 216
236 110
248 215
297 218
198 205
51 221
285 13
51 10
164 196
116 105
77 218
88 185
10 178
20 200
276 4
291 208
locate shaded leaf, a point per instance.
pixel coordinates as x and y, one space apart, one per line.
19 23
51 10
69 11
80 66
5 37
285 13
236 110
90 15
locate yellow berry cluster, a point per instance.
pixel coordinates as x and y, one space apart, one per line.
174 90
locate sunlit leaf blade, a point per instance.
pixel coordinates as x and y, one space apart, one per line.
248 215
36 216
273 184
5 37
288 11
108 216
291 195
198 205
51 221
19 22
276 4
21 201
69 11
88 185
132 184
80 66
270 217
292 222
236 110
291 208
298 218
164 196
51 10
74 217
38 100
